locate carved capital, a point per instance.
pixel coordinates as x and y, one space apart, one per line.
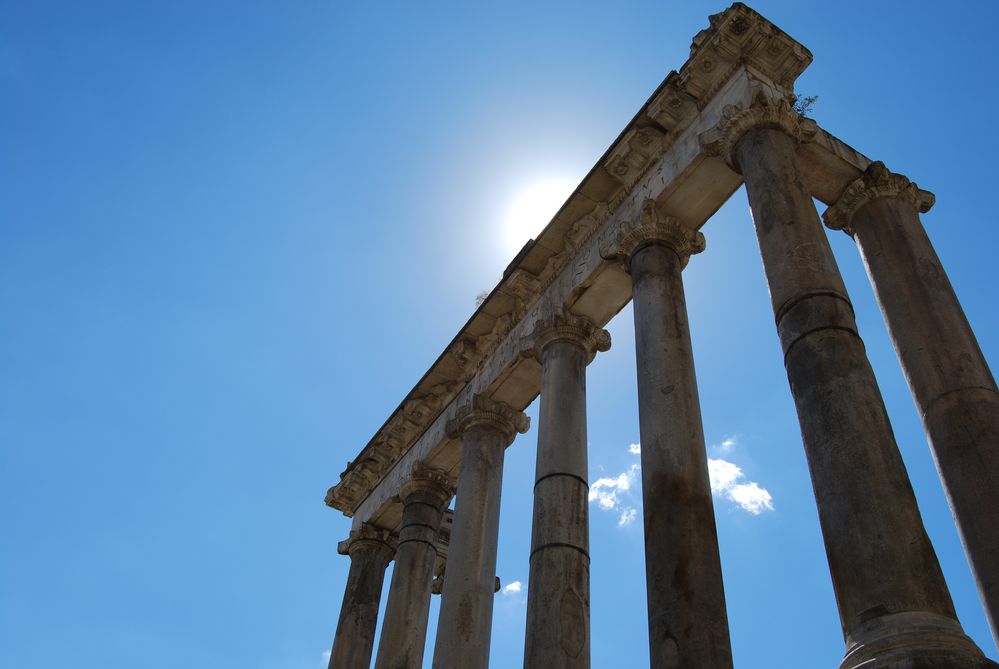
428 482
876 182
483 411
368 537
764 112
565 326
654 227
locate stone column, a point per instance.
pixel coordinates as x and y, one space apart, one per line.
893 602
486 428
404 628
688 623
558 594
950 380
370 550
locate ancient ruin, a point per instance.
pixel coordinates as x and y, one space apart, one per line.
725 119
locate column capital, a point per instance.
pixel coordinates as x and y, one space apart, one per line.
481 410
877 181
568 327
429 482
764 112
654 227
368 537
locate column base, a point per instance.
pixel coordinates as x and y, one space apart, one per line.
913 640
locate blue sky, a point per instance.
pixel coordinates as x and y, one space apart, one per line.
234 235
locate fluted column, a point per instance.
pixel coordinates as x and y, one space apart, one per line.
688 623
370 550
404 628
558 594
893 602
950 380
463 629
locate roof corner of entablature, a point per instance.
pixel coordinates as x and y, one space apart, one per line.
739 36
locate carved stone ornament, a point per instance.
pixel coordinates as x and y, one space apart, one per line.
631 156
429 481
368 537
876 181
764 112
654 227
483 411
565 326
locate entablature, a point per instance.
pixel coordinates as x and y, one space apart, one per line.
657 157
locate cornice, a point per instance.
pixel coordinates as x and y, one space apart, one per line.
877 181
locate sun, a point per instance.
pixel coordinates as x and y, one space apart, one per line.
532 208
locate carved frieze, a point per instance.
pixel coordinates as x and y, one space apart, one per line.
631 156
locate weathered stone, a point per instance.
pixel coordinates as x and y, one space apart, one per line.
370 550
880 558
486 428
688 624
404 629
558 594
950 380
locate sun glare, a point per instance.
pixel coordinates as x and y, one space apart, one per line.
533 208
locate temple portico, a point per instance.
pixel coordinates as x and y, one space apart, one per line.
725 119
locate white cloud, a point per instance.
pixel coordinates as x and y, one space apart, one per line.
726 481
635 448
728 443
606 491
512 588
612 493
628 515
326 657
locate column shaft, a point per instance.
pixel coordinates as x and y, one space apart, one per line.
688 624
465 623
558 595
950 380
463 631
355 631
404 628
894 605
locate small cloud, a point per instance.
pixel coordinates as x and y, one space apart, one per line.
627 516
726 481
751 497
606 491
611 493
636 449
512 588
326 657
728 443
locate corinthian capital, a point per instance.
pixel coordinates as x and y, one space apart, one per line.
876 181
654 227
565 326
765 112
483 411
368 537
